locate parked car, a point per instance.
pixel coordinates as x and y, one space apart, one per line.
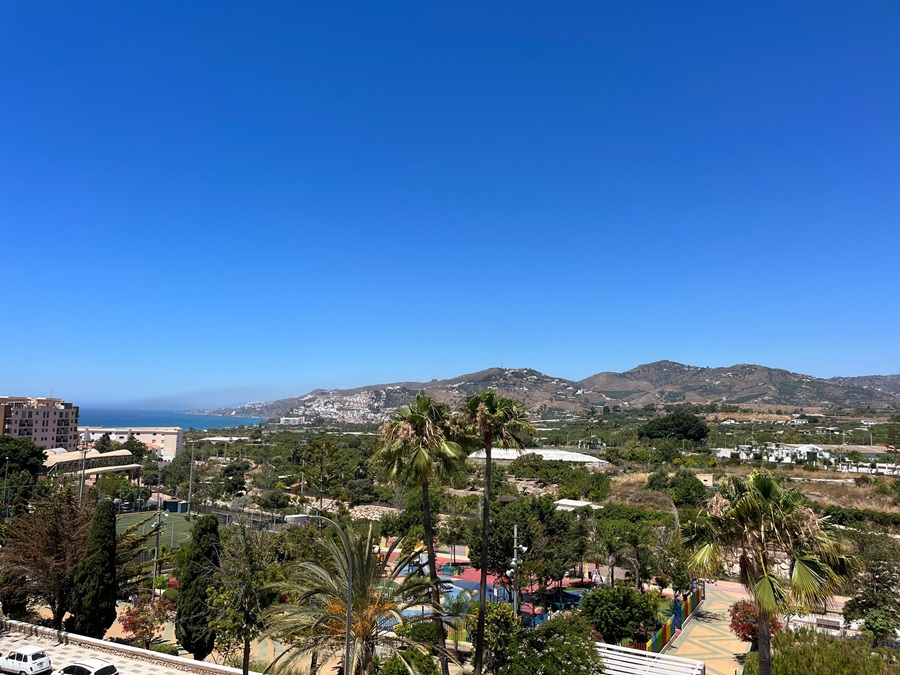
27 660
88 667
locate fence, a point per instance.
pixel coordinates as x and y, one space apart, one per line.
682 611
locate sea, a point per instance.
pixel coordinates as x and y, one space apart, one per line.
123 417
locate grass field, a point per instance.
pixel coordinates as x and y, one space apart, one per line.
176 528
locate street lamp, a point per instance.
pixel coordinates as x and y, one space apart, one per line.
306 517
514 572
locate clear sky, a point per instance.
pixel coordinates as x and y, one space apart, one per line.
212 202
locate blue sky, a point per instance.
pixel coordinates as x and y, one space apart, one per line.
212 202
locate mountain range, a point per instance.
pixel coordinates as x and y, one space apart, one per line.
545 396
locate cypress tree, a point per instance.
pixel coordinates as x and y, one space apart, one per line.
196 573
94 587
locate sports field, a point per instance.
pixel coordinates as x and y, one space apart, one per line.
176 528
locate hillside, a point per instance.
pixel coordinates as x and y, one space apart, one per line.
546 396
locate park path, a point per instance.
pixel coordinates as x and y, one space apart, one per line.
708 638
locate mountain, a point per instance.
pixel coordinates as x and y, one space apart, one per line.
548 397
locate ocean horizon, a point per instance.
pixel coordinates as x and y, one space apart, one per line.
136 417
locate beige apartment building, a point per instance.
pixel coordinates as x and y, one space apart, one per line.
165 441
49 422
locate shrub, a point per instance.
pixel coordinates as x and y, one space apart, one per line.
558 647
745 622
165 648
807 652
620 613
422 663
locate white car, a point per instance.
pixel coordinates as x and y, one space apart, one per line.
88 667
28 660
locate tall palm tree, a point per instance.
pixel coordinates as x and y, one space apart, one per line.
415 447
313 620
756 523
494 421
608 544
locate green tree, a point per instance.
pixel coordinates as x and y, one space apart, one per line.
416 447
105 444
311 623
242 590
680 425
42 549
686 489
620 613
493 420
197 569
876 589
501 629
132 566
561 646
756 522
137 449
94 587
22 454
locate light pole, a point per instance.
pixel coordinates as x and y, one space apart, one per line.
6 491
84 450
306 517
157 526
514 572
191 478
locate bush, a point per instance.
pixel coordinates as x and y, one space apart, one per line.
422 632
807 652
422 663
165 648
745 622
558 647
621 613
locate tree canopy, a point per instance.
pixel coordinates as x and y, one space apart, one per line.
680 425
94 587
23 454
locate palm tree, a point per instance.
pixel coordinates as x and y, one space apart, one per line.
415 447
757 524
313 620
493 420
608 543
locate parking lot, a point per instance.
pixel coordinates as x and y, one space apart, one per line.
62 655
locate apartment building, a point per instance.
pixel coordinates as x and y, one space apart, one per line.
165 441
49 422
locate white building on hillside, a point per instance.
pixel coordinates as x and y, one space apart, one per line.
165 441
509 454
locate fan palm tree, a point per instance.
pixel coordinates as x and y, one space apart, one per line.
415 447
313 620
494 421
757 524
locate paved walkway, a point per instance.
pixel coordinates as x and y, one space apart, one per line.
708 638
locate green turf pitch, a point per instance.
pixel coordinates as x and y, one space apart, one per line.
178 521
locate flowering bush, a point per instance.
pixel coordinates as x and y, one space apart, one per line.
144 621
745 621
